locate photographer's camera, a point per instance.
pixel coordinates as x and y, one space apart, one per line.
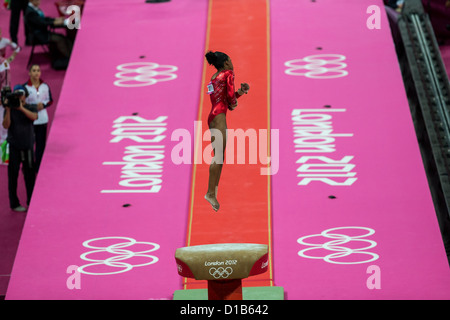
9 98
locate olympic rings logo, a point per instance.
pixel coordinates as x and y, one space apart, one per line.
319 66
121 253
336 246
139 74
220 272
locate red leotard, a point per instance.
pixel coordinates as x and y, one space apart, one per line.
223 94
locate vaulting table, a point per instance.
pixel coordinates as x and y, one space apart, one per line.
223 266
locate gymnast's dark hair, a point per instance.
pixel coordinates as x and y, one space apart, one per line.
217 59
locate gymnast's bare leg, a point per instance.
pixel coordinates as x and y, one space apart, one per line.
215 169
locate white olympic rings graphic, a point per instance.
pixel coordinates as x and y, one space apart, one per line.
221 272
121 253
319 66
336 245
139 74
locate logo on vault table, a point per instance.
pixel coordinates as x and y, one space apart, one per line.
346 244
319 66
140 74
221 272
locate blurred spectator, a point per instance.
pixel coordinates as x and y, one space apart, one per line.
395 4
39 24
19 122
5 75
39 95
16 7
400 4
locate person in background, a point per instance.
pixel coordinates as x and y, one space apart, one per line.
38 25
395 4
5 73
19 122
16 7
39 94
5 62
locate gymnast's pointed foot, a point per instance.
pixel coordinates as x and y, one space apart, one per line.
213 201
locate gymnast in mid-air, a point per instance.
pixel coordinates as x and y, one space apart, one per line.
223 97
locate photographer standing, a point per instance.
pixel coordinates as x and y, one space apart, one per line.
18 119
